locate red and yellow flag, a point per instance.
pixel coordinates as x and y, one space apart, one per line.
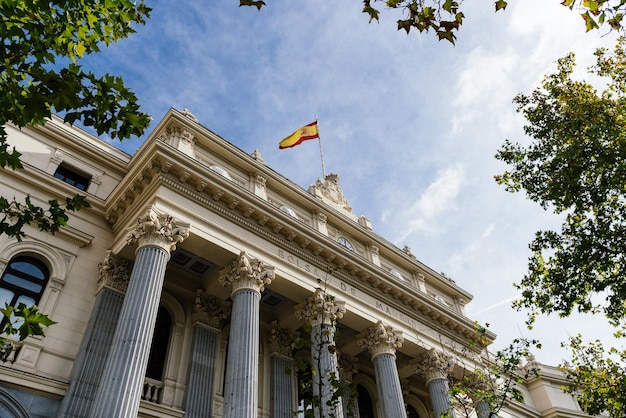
306 132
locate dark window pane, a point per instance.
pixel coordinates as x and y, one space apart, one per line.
160 342
23 283
72 177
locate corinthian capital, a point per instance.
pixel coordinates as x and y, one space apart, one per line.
320 308
114 272
209 309
159 230
381 339
247 273
433 364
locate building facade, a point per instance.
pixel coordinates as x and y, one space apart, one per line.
202 283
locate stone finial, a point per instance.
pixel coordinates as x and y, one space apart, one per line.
209 309
381 339
282 340
114 272
320 308
159 230
190 115
257 156
247 273
433 364
408 251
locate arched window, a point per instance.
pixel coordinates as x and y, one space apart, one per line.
160 343
23 281
411 412
364 401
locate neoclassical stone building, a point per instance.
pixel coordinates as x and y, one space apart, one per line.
200 281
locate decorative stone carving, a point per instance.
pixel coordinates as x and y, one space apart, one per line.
247 272
261 181
257 156
209 309
114 272
187 137
381 339
408 251
374 249
348 366
321 218
433 364
188 114
320 308
158 230
282 340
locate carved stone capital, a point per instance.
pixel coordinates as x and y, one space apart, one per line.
373 248
381 339
160 230
210 310
348 366
433 364
114 272
320 308
282 339
247 273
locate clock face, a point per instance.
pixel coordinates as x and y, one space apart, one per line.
343 241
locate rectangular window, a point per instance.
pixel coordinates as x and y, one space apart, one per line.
72 177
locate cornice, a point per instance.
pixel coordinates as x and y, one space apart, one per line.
213 142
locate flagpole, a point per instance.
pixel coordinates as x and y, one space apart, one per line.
319 138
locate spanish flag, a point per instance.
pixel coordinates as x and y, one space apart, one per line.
306 132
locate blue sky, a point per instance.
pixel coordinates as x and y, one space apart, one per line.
410 124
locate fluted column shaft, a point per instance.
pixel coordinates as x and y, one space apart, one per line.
241 386
382 341
482 409
388 385
282 389
324 360
92 354
247 276
321 311
200 383
439 396
120 389
119 393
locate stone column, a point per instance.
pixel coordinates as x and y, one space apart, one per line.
113 276
283 397
382 341
209 312
248 277
435 366
348 368
482 409
321 311
119 392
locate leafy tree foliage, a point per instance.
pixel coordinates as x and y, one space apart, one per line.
42 43
576 166
444 17
598 376
495 382
20 322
